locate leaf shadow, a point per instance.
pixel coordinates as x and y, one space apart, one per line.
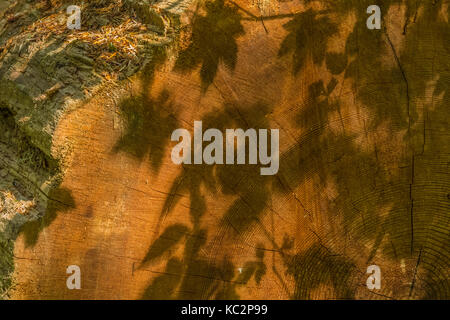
60 200
213 41
148 126
308 33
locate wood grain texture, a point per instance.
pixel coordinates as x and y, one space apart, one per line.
364 172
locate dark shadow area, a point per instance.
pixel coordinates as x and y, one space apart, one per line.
243 181
196 277
166 241
59 200
148 126
308 33
319 266
213 41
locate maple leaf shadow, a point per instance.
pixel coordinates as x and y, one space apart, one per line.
308 33
213 41
148 124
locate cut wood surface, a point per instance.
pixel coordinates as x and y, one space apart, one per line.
364 174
